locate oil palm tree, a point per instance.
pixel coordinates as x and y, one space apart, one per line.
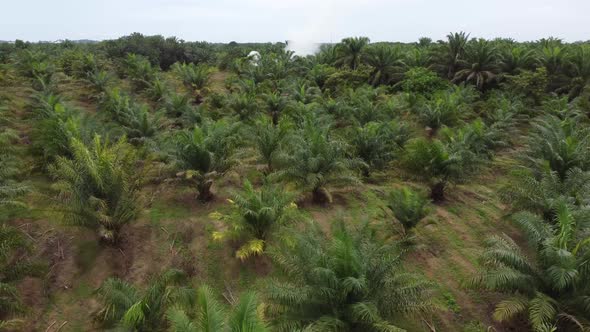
209 315
350 51
559 144
98 187
517 58
316 161
408 207
269 140
10 188
453 52
549 288
479 66
204 153
386 63
438 164
255 215
578 64
350 281
378 143
125 306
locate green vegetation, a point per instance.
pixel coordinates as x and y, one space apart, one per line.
368 187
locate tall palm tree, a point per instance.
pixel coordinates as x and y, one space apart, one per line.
98 187
350 281
578 64
350 51
479 65
551 287
517 58
386 63
454 51
208 315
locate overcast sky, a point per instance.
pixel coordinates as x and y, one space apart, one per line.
280 20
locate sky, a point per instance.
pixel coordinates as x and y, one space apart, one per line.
298 20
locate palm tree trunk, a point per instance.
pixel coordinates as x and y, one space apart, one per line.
204 188
321 196
437 192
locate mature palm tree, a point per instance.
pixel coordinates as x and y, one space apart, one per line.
127 307
316 161
551 287
350 51
517 58
479 65
578 64
453 52
98 187
255 215
350 281
204 153
208 315
386 63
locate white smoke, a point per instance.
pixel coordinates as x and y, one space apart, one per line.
304 39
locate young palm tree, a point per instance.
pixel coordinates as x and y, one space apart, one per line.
195 77
316 162
140 70
15 264
98 187
479 65
540 193
275 105
129 308
443 108
204 153
551 287
408 207
208 315
559 144
268 140
135 119
378 143
256 214
54 125
386 63
350 51
10 189
347 282
438 164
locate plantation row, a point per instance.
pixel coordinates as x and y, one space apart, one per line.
107 124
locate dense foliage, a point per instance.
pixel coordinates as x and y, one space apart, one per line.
279 149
